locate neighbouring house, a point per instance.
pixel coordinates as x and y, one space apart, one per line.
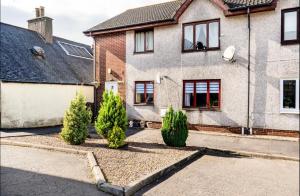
40 74
171 54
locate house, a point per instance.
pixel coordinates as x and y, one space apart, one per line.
171 54
40 74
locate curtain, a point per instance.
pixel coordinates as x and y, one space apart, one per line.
188 37
149 40
213 34
139 42
290 25
201 34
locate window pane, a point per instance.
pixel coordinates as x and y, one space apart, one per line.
149 40
149 92
213 34
139 93
214 94
189 94
201 94
289 94
201 36
290 26
139 42
188 37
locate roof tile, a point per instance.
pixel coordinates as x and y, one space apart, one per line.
142 15
19 64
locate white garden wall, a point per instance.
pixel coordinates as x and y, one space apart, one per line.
34 105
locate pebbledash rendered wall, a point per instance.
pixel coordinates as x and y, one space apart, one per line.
270 62
26 105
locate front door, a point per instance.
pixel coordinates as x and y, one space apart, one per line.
111 86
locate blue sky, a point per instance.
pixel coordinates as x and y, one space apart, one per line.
71 17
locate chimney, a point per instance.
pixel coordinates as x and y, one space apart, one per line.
41 24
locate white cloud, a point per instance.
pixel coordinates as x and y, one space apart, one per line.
71 17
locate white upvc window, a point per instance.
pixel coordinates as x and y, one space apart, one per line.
289 96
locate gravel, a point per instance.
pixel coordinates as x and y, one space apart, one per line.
140 157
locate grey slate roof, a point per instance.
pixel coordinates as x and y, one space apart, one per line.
19 64
142 15
240 4
161 12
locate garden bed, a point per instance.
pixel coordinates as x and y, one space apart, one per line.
140 157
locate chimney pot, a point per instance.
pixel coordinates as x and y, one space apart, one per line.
37 12
42 11
42 24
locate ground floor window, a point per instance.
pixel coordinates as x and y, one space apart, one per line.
144 92
203 94
289 96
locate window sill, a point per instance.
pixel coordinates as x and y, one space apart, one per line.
202 109
290 42
207 50
285 111
147 52
143 104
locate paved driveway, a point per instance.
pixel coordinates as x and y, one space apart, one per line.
217 174
29 171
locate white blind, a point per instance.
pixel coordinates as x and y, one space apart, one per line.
214 87
189 87
139 88
201 87
149 88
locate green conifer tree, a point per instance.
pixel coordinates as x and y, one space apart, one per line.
174 130
112 114
76 121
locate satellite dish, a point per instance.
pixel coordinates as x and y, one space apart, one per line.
229 54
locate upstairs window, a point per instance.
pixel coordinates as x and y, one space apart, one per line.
290 26
289 96
201 36
203 94
144 92
144 41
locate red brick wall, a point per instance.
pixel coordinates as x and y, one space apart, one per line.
110 52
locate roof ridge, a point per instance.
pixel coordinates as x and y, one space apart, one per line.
181 3
17 26
152 5
23 28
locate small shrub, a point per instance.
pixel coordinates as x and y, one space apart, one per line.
112 114
76 121
174 129
116 137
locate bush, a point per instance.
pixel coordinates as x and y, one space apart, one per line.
116 137
76 121
174 129
112 114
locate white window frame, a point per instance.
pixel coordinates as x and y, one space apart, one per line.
285 110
